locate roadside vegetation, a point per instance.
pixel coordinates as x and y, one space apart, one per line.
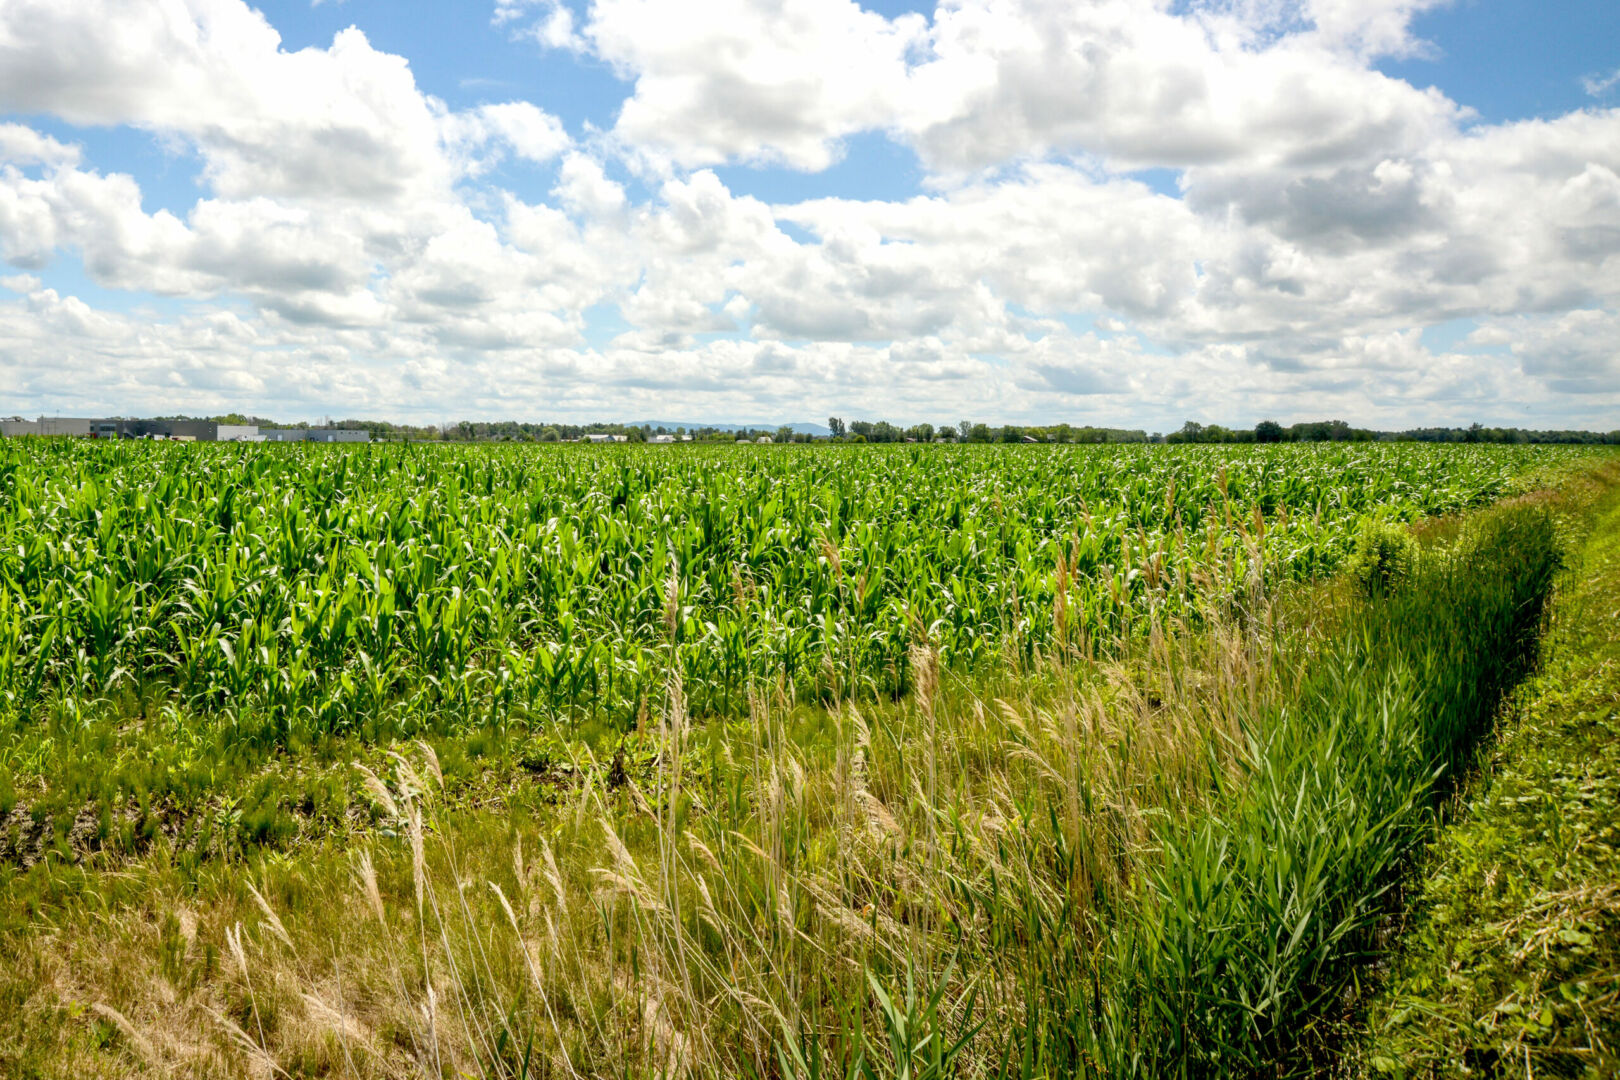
1511 960
844 762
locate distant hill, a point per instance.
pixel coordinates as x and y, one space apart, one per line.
689 425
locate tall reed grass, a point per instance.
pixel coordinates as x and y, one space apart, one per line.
1260 901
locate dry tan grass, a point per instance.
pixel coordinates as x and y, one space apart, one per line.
687 926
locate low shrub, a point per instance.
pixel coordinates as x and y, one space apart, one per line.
1383 556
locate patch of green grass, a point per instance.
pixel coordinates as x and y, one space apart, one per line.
1511 963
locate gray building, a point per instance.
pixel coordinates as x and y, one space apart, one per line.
321 435
201 430
65 425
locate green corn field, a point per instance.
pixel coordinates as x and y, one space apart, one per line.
313 589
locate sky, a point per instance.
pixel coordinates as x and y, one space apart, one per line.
1118 212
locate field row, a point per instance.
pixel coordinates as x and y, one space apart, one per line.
314 587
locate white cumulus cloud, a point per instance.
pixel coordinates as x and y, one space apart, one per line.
356 243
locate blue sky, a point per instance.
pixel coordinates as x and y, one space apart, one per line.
1513 59
1395 211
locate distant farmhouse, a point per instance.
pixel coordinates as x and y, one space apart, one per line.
182 430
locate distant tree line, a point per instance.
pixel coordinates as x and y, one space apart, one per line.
521 431
967 431
963 431
496 431
1269 431
1479 433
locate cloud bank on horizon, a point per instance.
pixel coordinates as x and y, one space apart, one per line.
1109 211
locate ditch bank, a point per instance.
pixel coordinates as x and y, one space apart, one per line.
1256 918
1510 956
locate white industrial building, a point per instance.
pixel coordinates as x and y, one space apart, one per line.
324 435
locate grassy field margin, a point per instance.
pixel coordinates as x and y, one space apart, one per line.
1511 962
1262 905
